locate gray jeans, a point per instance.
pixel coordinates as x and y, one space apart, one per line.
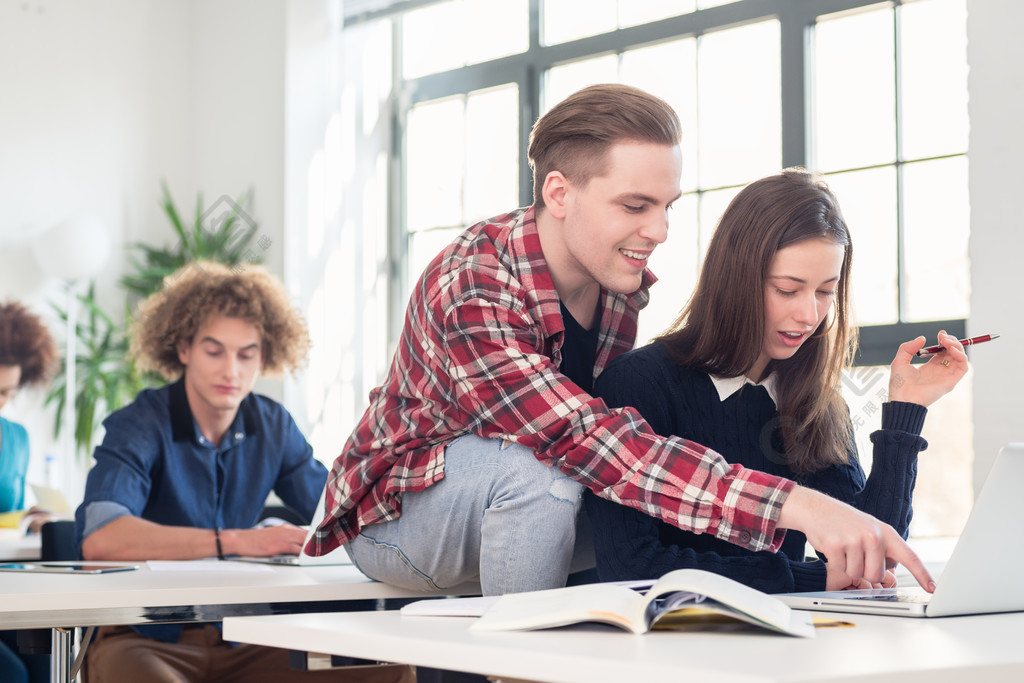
499 516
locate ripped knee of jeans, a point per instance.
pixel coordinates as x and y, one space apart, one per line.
569 490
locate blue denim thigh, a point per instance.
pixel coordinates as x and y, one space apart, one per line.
499 516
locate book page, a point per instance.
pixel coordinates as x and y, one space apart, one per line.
726 591
694 589
603 603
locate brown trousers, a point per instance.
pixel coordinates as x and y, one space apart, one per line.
119 654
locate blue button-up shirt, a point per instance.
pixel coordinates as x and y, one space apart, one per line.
155 464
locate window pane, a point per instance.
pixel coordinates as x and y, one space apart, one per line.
943 496
434 164
565 20
740 111
676 264
562 81
934 73
633 13
492 153
432 39
451 34
854 93
669 70
712 205
375 53
868 202
936 227
423 247
487 18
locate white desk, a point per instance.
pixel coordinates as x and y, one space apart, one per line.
15 545
60 602
877 649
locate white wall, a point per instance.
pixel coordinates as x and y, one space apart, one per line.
92 102
99 101
996 155
237 109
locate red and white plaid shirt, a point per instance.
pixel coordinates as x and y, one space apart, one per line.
479 354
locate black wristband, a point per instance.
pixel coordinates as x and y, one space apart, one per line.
220 551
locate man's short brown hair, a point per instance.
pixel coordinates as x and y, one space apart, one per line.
573 138
171 317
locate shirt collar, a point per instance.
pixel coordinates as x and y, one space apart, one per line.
618 311
727 386
183 425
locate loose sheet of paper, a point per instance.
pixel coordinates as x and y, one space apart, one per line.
207 566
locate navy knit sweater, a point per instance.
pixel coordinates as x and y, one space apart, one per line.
683 402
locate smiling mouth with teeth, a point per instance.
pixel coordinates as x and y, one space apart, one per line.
633 254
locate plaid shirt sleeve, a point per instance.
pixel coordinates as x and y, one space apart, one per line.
517 393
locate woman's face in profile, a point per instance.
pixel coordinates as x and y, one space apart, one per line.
10 377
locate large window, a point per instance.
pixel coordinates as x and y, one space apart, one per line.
871 94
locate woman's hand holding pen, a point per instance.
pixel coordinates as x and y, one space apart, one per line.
926 383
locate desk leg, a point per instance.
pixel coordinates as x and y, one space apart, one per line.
61 654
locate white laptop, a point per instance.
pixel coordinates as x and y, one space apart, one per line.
336 557
983 572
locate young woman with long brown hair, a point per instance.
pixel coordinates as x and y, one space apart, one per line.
752 369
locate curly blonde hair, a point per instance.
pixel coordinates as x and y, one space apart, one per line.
25 342
191 295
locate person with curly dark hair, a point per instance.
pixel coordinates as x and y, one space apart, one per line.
28 357
184 471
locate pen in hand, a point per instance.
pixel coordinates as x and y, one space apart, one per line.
932 350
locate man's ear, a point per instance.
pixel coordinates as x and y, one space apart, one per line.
555 192
183 352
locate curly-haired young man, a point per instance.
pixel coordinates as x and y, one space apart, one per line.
183 472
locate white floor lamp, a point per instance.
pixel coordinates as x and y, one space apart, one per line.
74 251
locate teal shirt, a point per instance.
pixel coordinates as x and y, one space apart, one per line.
13 465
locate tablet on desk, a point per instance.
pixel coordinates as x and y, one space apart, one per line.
68 568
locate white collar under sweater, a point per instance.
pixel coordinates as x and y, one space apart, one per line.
727 386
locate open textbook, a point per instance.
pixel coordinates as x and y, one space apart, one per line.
684 598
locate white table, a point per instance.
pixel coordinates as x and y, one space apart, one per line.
62 602
15 545
877 649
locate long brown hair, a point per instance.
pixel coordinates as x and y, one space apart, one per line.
721 329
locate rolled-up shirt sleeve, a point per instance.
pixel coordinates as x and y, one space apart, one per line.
101 513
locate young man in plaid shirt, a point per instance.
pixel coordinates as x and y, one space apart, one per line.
471 460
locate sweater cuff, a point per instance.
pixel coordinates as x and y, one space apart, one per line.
808 576
903 417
